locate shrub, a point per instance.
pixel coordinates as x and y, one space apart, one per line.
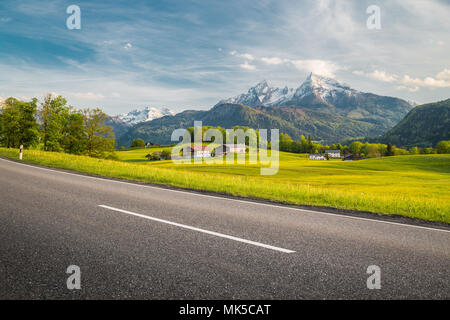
138 143
443 147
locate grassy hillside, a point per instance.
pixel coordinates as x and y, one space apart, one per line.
413 186
423 126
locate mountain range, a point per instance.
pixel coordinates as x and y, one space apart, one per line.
423 126
326 109
330 96
121 123
147 114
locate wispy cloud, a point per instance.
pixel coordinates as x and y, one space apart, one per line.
247 66
426 82
322 67
88 95
409 83
377 75
273 60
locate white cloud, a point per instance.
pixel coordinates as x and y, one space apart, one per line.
444 74
408 83
427 82
382 76
247 66
321 67
88 95
246 56
377 75
128 46
273 60
410 89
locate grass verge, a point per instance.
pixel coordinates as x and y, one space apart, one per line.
433 206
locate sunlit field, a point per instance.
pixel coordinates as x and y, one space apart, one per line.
414 186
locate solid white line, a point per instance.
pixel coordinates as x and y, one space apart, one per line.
230 199
217 234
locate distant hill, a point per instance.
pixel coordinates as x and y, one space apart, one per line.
423 126
322 107
294 121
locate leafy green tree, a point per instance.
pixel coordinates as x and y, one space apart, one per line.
99 137
371 151
54 115
74 139
414 150
443 147
10 123
137 143
355 147
390 150
19 125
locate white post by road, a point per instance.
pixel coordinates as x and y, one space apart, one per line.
21 152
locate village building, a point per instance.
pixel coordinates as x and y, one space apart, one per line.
352 157
230 148
335 154
316 156
199 151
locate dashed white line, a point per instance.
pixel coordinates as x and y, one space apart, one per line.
217 234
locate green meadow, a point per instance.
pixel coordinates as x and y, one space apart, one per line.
412 185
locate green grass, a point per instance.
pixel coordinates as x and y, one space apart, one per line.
414 186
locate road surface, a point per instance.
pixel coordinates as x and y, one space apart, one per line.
145 242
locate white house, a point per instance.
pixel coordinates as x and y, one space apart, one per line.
230 148
333 153
316 156
199 151
236 148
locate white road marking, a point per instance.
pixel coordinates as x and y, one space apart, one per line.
217 234
229 199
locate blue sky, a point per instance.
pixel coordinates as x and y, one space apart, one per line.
190 54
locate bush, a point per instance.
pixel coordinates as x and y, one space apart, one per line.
165 154
112 156
138 143
156 156
443 147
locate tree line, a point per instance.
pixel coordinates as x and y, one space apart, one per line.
367 150
52 125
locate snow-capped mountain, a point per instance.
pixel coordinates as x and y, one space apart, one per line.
315 87
147 114
329 96
262 94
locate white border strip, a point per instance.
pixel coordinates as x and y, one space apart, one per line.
217 234
229 199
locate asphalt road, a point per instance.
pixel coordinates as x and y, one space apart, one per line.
135 241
